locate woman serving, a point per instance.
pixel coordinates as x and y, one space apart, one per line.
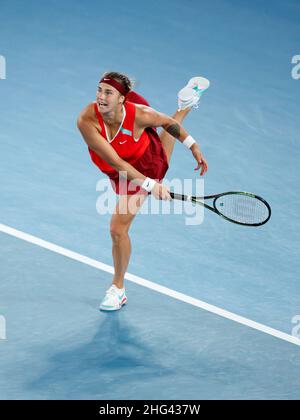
119 129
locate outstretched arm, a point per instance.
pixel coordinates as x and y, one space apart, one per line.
148 117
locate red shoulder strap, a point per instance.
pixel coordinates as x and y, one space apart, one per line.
130 116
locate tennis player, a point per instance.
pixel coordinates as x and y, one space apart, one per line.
120 131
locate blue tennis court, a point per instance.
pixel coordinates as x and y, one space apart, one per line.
213 308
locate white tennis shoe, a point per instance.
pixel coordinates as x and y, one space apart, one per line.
190 95
114 299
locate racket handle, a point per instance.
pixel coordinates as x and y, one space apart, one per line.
180 197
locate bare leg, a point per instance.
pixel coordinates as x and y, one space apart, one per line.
126 210
167 140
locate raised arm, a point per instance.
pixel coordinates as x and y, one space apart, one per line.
149 117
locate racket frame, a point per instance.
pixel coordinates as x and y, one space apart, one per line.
198 200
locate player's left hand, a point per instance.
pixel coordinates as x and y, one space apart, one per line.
201 162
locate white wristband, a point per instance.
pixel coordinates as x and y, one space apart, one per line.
189 141
148 184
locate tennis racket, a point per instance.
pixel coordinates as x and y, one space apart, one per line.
238 207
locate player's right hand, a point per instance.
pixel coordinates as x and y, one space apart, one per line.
161 192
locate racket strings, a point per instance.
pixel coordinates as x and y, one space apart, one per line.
242 208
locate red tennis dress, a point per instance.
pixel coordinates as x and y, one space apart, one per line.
145 154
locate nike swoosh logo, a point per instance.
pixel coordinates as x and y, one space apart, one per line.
122 142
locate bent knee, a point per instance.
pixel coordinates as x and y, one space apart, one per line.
118 232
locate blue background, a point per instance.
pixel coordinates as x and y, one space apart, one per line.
248 127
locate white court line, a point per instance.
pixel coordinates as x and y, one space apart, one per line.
150 285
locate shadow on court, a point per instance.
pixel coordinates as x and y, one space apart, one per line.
115 356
